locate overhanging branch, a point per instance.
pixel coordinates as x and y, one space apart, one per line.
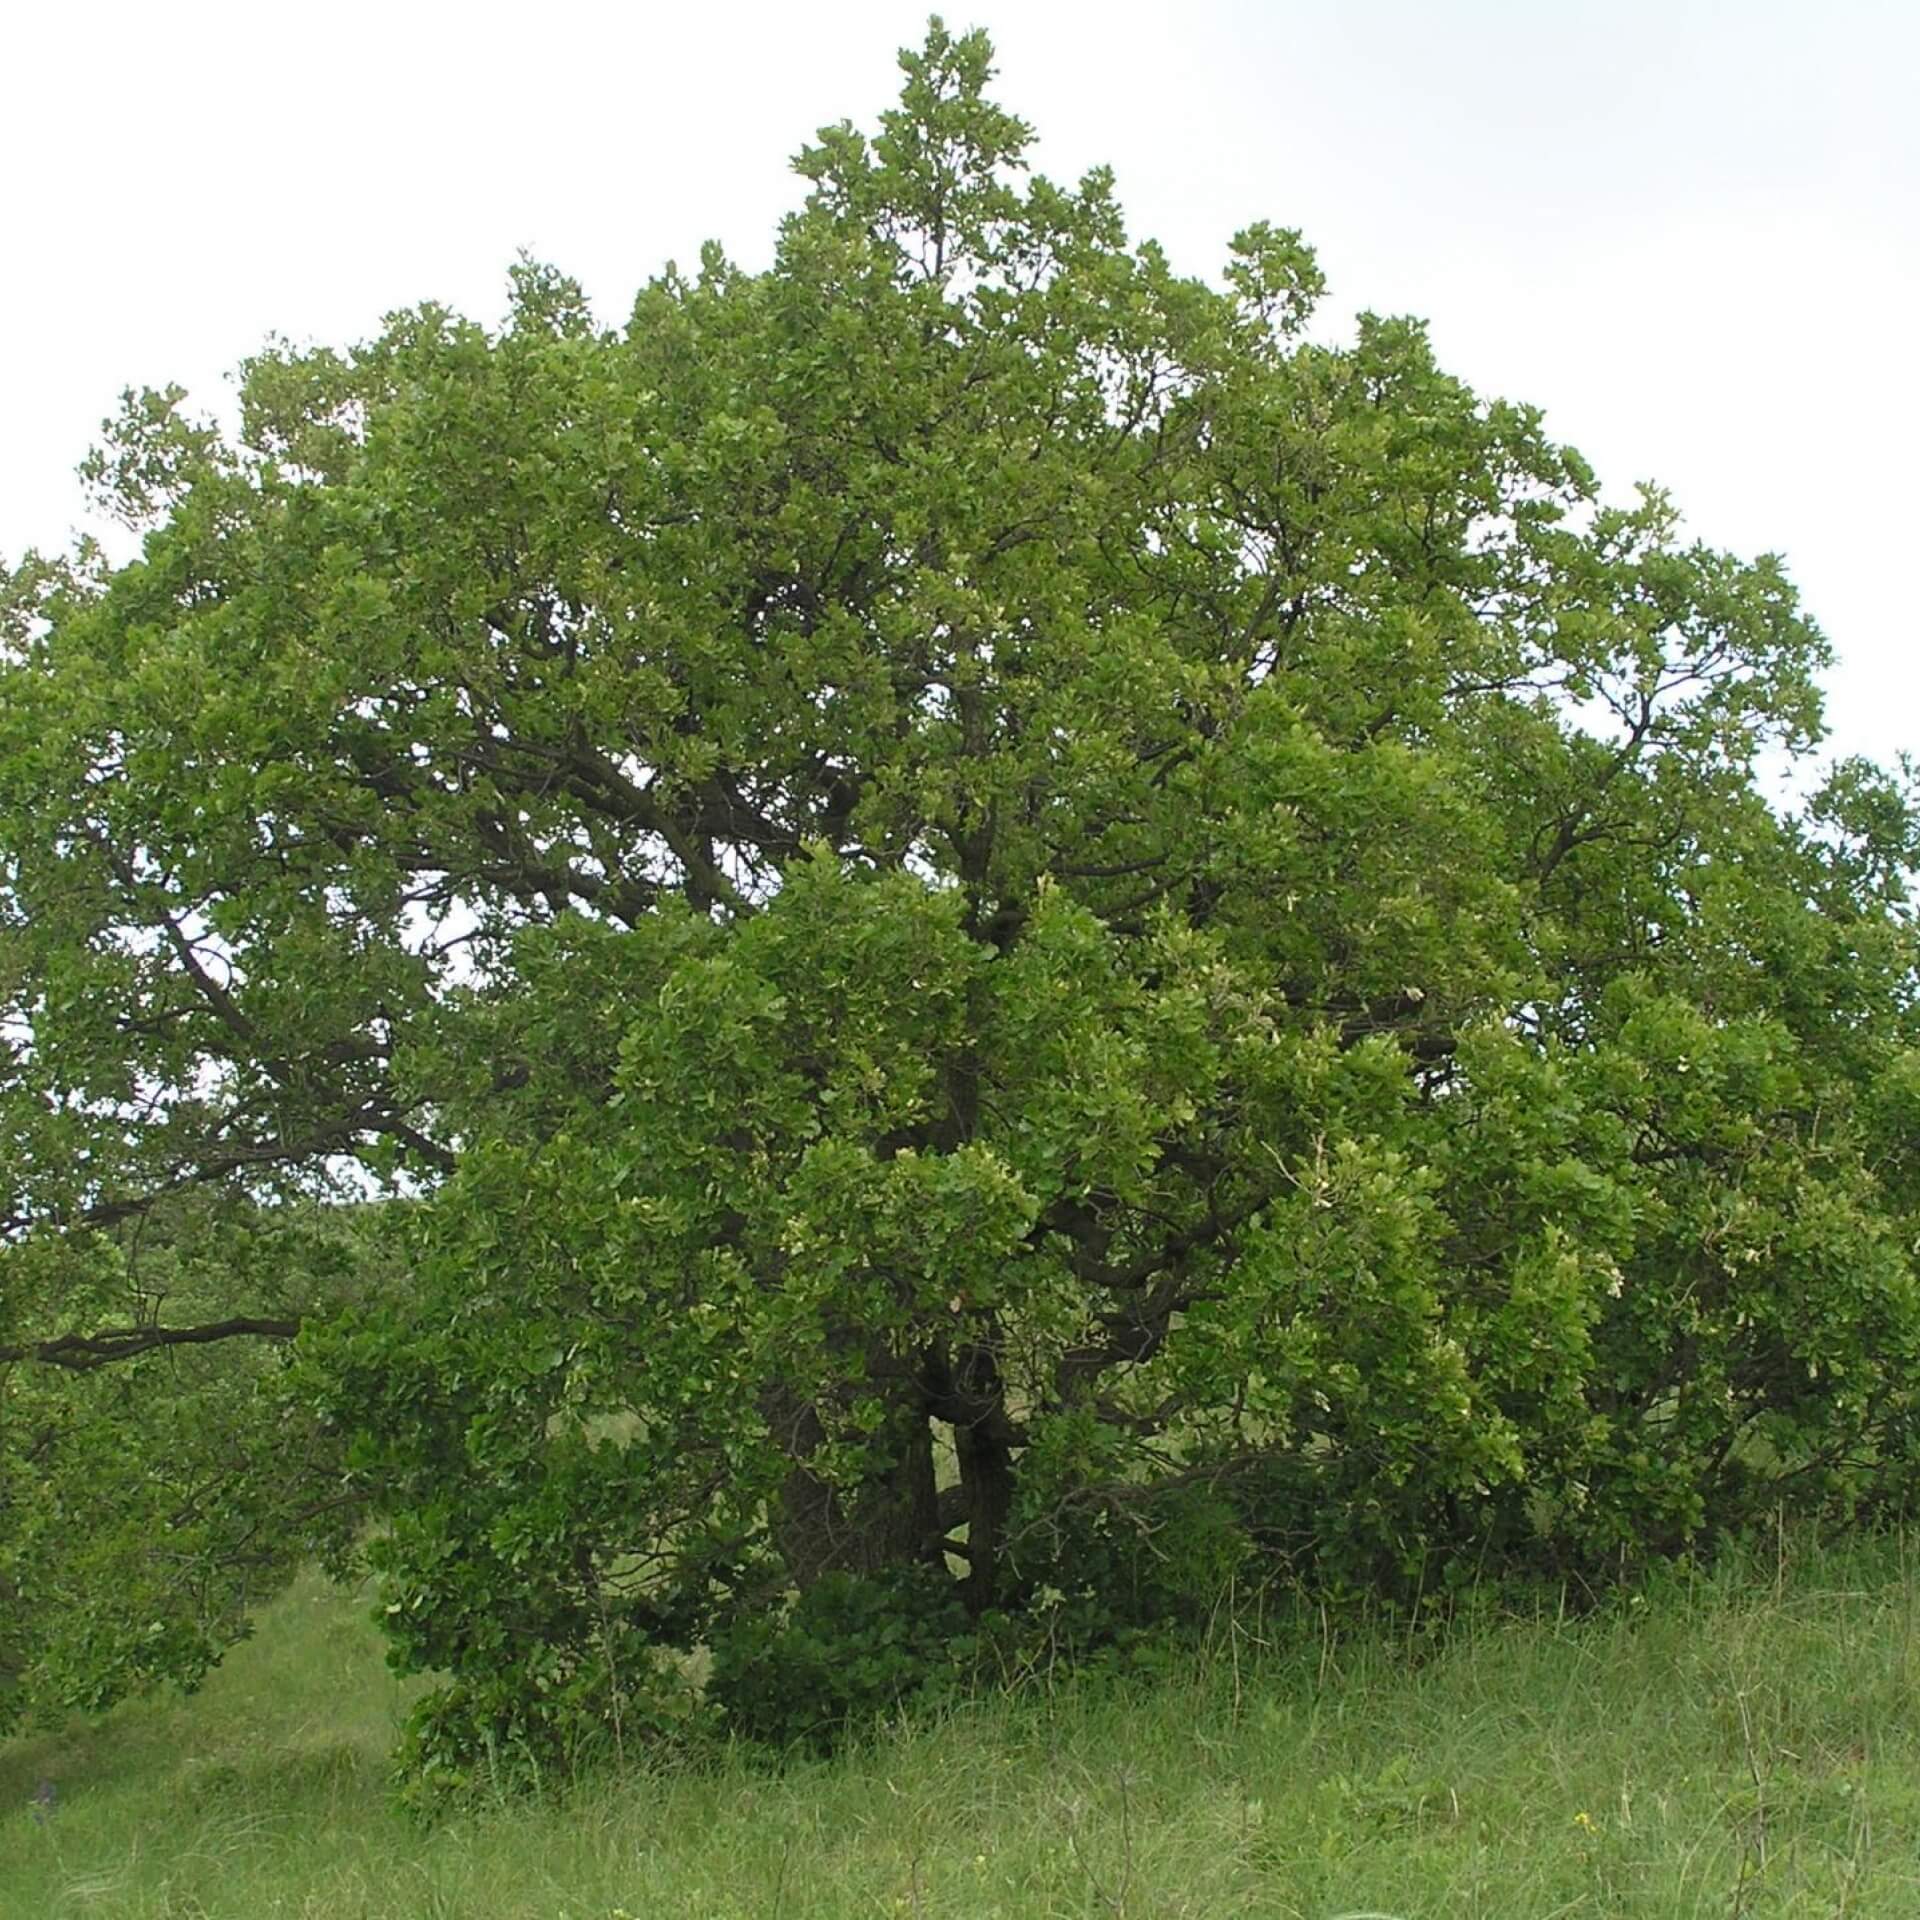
82 1352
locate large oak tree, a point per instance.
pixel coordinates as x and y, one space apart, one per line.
998 923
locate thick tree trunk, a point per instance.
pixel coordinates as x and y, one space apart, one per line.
965 1389
986 1478
891 1520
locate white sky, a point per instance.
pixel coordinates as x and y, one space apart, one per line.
1690 231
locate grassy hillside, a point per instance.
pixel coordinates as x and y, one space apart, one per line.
1746 1745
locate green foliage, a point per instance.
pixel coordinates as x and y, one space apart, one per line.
979 907
150 1503
841 1656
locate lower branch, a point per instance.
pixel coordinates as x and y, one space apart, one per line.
81 1352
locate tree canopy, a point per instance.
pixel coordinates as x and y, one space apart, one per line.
960 932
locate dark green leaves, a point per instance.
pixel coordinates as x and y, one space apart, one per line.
989 909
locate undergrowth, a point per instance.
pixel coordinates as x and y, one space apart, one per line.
1737 1744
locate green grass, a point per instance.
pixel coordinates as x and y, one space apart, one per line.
1740 1746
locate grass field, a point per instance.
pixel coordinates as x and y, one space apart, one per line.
1742 1745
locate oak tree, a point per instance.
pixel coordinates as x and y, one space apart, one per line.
1005 930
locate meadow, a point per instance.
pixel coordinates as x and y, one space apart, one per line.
1743 1742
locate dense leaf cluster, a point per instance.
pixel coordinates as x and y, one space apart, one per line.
1009 924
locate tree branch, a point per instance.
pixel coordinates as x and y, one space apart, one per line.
82 1352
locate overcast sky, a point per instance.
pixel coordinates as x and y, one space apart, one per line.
1690 231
